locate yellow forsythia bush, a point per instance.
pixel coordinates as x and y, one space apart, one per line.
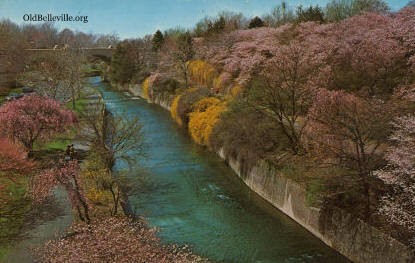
202 73
203 118
174 110
236 90
97 196
145 88
90 179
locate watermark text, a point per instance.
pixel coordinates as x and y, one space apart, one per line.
54 18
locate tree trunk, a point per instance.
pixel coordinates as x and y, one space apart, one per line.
115 198
81 200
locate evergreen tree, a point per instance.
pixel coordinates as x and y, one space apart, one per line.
157 41
121 69
310 14
256 22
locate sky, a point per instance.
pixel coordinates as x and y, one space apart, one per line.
136 18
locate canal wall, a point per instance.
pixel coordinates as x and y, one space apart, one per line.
342 231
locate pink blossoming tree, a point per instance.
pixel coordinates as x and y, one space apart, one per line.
33 117
13 158
399 205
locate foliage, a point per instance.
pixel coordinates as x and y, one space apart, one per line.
14 206
12 61
126 61
242 53
67 175
52 68
32 117
249 135
398 206
337 10
104 187
183 54
348 128
280 15
203 118
182 104
13 159
145 88
236 90
347 131
255 22
112 136
157 40
202 73
224 22
309 14
174 110
221 82
157 84
283 93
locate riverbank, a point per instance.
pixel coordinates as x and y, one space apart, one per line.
340 230
93 241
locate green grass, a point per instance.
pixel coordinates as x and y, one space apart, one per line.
6 92
16 90
80 105
57 142
3 251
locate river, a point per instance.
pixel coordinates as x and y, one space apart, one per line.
195 199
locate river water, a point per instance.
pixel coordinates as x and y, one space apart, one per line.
195 199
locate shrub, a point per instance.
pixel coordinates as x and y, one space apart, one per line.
202 73
145 88
248 135
256 22
182 104
174 110
203 118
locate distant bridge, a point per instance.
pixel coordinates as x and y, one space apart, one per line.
104 54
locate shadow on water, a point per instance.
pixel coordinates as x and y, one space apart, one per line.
41 225
195 199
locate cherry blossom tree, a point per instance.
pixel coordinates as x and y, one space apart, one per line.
402 25
399 205
350 60
52 68
67 175
284 93
13 159
349 130
33 117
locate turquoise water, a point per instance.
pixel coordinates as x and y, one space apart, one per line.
195 199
